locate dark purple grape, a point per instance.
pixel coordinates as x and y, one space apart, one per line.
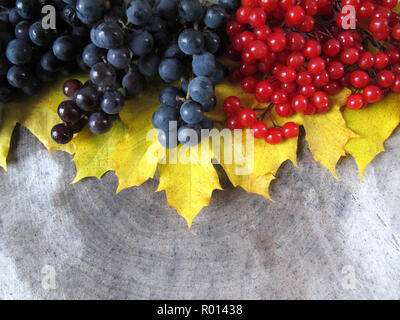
69 112
134 83
88 98
103 74
113 102
100 123
62 133
71 87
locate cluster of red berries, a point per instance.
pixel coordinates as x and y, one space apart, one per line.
240 118
295 53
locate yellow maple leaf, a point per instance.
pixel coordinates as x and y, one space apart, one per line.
189 186
93 151
327 134
373 124
39 114
261 160
254 166
131 155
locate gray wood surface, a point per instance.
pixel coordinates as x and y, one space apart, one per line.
321 238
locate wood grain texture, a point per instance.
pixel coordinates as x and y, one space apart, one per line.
132 246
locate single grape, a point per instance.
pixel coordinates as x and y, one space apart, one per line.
103 75
170 70
210 104
191 41
165 118
65 48
190 10
108 35
21 30
141 42
28 9
134 83
139 12
89 11
215 16
19 76
88 98
171 97
167 9
191 112
204 64
49 62
19 52
99 123
212 41
113 102
39 36
62 133
92 55
201 89
69 112
119 58
70 87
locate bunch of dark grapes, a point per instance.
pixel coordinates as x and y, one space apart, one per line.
295 54
140 40
191 56
30 54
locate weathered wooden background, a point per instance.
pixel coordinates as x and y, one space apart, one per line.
320 238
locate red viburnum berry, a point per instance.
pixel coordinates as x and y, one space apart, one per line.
233 122
274 136
290 130
232 105
264 91
247 117
372 94
259 129
283 110
355 102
